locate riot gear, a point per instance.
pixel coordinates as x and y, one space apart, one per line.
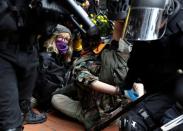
155 28
148 19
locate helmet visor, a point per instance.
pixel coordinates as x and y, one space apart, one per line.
145 24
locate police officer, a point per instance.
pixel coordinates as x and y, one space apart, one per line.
156 30
18 64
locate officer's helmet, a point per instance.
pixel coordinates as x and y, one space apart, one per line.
147 19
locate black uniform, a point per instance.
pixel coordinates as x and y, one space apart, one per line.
157 64
19 26
159 60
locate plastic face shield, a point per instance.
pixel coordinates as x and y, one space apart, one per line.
146 23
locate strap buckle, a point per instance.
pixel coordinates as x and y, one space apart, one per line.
148 120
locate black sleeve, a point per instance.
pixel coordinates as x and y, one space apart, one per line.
136 64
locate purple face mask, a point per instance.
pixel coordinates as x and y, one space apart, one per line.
61 46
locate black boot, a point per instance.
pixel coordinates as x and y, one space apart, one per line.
31 117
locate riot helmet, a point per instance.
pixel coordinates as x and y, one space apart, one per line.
147 19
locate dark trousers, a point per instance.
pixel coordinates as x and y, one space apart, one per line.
18 71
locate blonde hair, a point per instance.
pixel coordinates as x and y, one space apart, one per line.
51 47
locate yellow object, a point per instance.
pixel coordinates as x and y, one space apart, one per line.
91 15
125 25
81 26
99 48
83 4
78 45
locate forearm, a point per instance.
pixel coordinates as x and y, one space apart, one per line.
104 88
